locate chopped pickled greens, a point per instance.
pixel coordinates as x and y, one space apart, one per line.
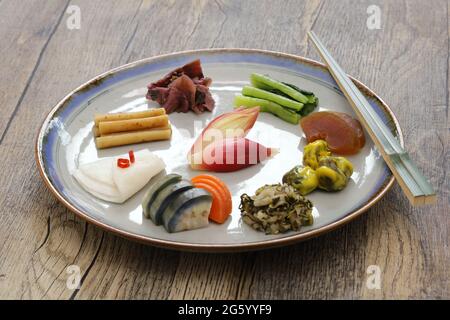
276 208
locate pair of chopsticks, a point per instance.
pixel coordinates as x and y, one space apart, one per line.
413 183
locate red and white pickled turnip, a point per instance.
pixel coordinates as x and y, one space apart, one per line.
232 154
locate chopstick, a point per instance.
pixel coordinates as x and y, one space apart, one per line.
413 183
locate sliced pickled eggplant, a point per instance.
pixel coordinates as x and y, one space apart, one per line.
165 197
189 210
154 190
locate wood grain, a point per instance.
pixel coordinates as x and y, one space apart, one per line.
25 36
406 62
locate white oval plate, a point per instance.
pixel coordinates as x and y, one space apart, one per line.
65 141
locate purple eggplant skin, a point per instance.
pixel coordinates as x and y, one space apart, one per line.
165 197
154 190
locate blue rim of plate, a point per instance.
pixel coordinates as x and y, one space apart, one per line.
48 133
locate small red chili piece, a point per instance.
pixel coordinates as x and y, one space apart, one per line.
131 155
123 163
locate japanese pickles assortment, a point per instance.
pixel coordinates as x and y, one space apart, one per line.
326 132
282 207
177 203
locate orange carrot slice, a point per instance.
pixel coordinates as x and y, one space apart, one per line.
222 184
217 212
226 204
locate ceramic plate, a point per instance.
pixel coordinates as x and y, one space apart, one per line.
65 141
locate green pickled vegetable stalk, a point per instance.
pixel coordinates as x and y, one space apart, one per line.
312 103
268 106
258 79
267 95
287 90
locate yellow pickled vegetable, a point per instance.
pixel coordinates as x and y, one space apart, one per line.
333 173
304 179
314 151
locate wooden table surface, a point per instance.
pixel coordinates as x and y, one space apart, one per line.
406 62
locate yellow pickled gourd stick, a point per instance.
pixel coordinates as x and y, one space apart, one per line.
121 139
96 131
107 127
129 115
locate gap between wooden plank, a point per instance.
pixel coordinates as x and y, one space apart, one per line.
30 78
219 5
130 40
75 293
